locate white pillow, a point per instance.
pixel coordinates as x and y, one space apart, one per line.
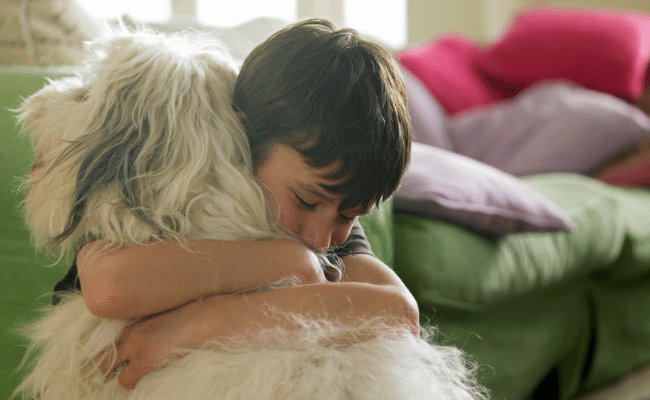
242 39
239 40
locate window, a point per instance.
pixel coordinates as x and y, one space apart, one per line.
384 20
143 10
228 13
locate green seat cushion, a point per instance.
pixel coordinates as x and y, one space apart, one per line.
447 265
526 304
622 326
518 343
621 296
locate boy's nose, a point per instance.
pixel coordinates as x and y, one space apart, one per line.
316 236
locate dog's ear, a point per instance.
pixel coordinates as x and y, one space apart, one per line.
53 117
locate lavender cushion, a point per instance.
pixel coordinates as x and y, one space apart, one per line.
550 127
428 118
447 186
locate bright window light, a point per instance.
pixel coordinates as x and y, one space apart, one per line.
149 10
384 20
227 13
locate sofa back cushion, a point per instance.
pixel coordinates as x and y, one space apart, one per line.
446 66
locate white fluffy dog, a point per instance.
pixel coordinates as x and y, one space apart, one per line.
144 145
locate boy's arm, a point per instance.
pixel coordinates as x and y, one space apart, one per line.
145 279
368 289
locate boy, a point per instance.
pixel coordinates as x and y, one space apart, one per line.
327 121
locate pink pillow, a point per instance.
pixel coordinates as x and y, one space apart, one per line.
605 50
446 66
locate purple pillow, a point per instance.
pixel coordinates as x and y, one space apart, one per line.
428 118
549 127
448 186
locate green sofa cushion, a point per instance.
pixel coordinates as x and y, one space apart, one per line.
447 265
518 343
622 314
621 296
540 296
24 280
378 227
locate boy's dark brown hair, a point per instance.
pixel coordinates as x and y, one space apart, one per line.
335 98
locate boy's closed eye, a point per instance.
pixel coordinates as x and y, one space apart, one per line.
346 218
303 203
312 206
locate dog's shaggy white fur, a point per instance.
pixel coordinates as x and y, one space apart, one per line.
144 145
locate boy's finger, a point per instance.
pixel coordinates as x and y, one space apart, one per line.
129 377
103 361
107 364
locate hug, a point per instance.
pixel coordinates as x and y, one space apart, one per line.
290 226
212 219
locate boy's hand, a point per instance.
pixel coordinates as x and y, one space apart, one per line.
147 344
367 289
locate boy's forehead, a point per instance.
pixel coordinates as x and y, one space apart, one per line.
290 163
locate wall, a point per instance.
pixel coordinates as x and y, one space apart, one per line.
485 20
633 5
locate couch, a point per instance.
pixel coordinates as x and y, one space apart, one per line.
546 310
551 311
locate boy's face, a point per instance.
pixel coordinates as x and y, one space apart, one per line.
300 204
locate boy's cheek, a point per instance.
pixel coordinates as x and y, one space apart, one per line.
340 236
286 218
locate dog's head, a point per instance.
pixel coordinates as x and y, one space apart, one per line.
143 144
